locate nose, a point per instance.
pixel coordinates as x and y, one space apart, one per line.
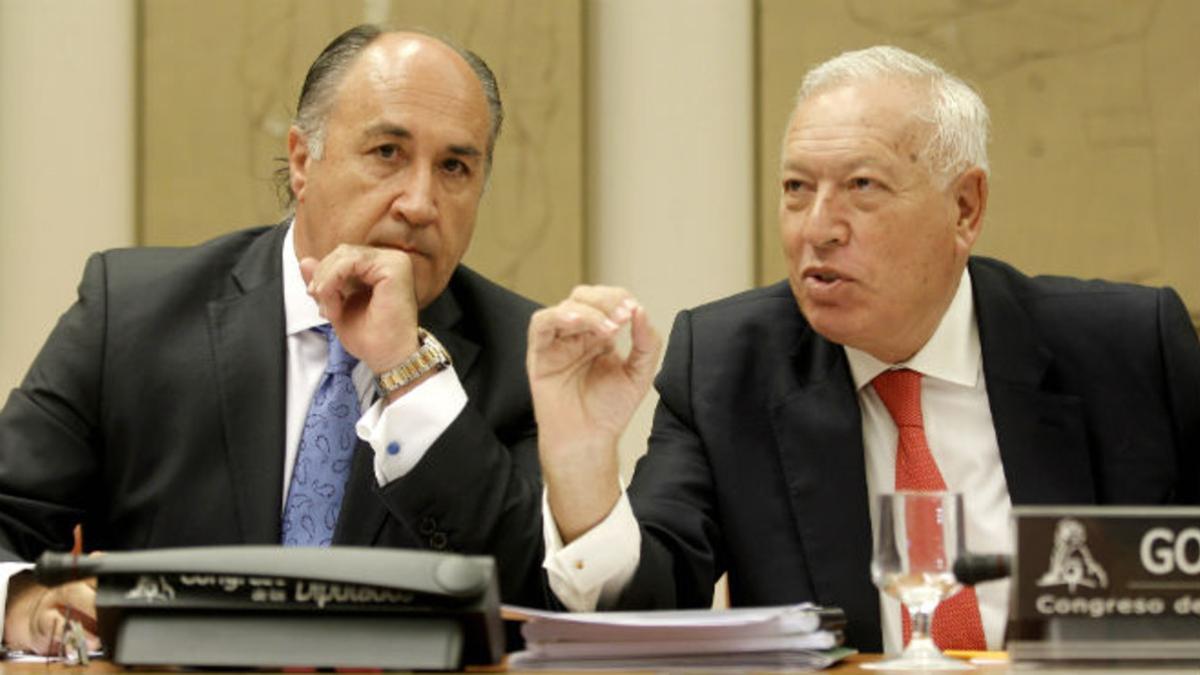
826 225
416 202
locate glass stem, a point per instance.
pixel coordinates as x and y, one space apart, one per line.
921 630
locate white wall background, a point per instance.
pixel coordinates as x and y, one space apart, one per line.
670 160
670 157
67 148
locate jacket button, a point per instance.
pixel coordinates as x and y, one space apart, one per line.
438 541
428 526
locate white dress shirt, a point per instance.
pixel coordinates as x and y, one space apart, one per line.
962 438
412 422
592 570
400 433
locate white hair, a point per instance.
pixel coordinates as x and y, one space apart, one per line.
957 114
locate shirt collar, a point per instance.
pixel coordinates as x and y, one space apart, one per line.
952 354
299 309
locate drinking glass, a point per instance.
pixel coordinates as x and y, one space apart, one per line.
919 536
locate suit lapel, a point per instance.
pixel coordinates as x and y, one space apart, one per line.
444 318
818 429
363 512
248 342
1041 433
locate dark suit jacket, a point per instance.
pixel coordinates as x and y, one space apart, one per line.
756 460
154 415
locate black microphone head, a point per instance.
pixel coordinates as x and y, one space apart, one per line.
976 568
52 569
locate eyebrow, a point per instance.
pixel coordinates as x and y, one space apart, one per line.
465 150
395 130
385 129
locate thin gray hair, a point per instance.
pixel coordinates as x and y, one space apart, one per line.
958 116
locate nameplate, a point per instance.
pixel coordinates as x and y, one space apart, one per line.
1101 583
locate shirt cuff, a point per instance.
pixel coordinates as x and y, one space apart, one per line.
591 572
402 432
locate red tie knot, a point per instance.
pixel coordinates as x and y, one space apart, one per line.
900 391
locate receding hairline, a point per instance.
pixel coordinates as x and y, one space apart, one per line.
408 35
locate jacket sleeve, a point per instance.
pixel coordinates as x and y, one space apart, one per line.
49 446
478 491
672 495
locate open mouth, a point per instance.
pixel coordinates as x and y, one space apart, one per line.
823 277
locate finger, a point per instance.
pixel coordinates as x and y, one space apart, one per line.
308 267
362 266
613 301
378 265
340 275
349 272
80 599
334 280
47 627
332 266
645 348
566 320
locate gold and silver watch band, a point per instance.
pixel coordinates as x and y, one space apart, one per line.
431 355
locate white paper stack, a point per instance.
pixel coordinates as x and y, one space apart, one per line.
793 636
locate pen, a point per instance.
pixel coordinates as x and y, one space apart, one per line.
980 656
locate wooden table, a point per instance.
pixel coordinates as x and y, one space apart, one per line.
852 664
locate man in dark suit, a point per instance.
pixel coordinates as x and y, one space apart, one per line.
171 405
775 426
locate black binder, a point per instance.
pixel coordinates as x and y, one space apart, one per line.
273 607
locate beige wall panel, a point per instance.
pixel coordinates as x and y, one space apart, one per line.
220 80
1096 122
66 159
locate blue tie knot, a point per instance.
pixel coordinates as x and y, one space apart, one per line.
340 360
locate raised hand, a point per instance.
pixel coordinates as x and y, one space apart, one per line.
367 293
584 393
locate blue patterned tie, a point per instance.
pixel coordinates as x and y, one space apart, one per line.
326 447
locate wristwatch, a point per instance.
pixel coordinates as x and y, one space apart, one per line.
430 356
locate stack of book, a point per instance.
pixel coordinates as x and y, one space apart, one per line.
793 636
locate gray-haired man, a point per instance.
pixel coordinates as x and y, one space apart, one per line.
775 429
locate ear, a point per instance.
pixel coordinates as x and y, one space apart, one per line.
298 157
970 191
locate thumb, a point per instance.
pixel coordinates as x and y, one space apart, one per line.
307 267
646 345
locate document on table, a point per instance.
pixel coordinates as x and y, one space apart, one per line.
690 624
794 636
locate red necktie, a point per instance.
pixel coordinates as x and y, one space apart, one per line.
956 624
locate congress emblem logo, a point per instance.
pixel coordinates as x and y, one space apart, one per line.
1071 562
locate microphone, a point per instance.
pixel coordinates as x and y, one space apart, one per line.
976 568
53 569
